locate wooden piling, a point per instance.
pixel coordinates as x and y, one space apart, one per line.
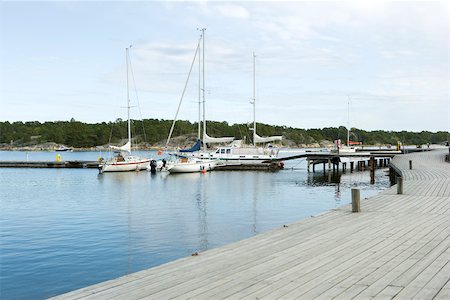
372 167
399 185
356 207
352 163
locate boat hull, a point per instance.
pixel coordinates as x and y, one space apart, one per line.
124 166
192 167
242 158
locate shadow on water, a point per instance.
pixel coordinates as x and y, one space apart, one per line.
320 179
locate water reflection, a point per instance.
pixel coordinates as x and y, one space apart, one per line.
202 213
320 179
105 226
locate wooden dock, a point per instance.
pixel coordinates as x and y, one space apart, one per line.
72 164
398 247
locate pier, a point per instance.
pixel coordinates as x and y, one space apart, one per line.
73 164
397 246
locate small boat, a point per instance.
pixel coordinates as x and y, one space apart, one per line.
123 161
192 166
63 148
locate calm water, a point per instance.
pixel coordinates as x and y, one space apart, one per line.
63 229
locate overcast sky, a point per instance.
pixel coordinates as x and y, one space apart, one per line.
60 60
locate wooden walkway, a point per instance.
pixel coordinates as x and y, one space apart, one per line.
397 247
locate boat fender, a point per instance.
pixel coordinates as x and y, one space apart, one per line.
153 166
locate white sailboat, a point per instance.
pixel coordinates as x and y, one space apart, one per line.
236 156
192 164
349 147
123 161
256 138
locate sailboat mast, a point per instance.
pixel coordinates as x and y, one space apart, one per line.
199 90
254 100
128 98
348 122
203 90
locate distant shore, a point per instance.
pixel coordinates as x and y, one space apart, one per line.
183 144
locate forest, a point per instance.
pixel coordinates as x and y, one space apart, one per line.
153 132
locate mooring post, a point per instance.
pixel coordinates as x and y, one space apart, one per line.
410 164
356 207
399 185
372 169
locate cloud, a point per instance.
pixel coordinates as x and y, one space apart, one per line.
232 11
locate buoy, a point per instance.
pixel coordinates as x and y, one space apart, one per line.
203 171
159 152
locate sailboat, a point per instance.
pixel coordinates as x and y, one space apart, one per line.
123 161
193 164
350 146
235 156
256 137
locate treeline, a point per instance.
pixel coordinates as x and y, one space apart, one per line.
154 132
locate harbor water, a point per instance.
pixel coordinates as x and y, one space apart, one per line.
64 229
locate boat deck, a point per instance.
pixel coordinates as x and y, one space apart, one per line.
397 247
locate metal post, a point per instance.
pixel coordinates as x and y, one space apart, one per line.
356 206
399 185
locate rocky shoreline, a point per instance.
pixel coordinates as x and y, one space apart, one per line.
180 142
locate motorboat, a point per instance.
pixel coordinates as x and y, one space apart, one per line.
63 148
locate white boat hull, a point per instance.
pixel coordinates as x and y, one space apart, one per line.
192 167
251 157
124 166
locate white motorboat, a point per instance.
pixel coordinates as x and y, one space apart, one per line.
241 158
63 148
123 161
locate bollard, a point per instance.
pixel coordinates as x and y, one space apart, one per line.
356 200
410 164
399 185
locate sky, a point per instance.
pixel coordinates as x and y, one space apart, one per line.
375 65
